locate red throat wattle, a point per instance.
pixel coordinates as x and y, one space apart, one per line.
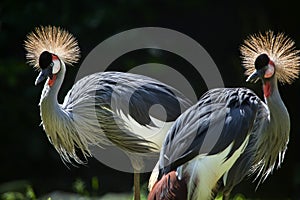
52 80
267 89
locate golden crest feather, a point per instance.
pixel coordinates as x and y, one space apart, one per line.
281 50
54 40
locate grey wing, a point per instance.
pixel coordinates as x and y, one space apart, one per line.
135 94
243 166
221 117
123 100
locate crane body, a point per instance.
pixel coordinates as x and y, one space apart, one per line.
101 109
80 119
249 138
203 144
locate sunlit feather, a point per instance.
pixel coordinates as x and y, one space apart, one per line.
54 40
281 50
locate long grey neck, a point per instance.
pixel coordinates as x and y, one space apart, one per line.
49 94
272 141
279 116
58 124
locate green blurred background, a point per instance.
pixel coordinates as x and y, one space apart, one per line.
220 27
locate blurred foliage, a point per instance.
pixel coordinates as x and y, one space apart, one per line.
236 197
28 193
79 187
219 27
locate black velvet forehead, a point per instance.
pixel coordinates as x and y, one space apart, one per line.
261 61
45 59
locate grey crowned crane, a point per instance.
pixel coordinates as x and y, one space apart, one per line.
230 133
87 117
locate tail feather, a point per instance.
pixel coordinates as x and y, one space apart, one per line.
169 187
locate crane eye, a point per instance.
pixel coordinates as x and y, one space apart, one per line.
55 66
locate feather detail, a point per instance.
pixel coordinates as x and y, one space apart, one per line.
153 177
169 188
54 40
281 50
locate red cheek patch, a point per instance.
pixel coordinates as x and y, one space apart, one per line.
54 57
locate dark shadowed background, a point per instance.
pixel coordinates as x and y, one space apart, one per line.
220 27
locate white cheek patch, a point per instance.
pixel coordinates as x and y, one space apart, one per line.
56 66
269 72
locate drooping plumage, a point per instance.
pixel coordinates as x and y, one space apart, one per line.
105 108
268 145
231 133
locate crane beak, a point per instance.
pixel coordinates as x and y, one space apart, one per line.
253 77
43 75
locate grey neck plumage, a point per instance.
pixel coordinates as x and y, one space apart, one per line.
57 122
273 138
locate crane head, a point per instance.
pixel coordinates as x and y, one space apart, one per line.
267 55
264 68
48 48
50 65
